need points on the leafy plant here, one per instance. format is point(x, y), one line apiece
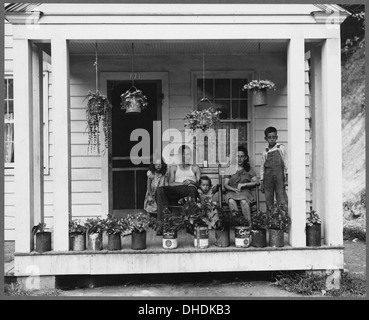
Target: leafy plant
point(238, 219)
point(313, 218)
point(138, 222)
point(204, 119)
point(259, 84)
point(98, 108)
point(197, 211)
point(259, 220)
point(94, 225)
point(278, 218)
point(128, 97)
point(39, 228)
point(225, 220)
point(77, 227)
point(113, 225)
point(170, 223)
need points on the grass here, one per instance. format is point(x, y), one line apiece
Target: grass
point(354, 232)
point(313, 284)
point(14, 289)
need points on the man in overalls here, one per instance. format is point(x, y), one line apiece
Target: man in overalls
point(273, 171)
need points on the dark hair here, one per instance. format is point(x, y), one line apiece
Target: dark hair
point(163, 167)
point(205, 178)
point(246, 163)
point(269, 130)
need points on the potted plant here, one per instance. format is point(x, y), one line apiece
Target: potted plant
point(133, 101)
point(197, 214)
point(115, 229)
point(278, 223)
point(138, 224)
point(97, 111)
point(170, 225)
point(94, 228)
point(43, 238)
point(313, 229)
point(222, 228)
point(258, 89)
point(258, 229)
point(77, 235)
point(202, 119)
point(242, 230)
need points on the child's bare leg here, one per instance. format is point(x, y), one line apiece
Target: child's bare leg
point(232, 205)
point(246, 211)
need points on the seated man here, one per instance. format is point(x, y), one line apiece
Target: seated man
point(183, 182)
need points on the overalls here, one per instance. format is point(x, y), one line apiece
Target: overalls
point(274, 179)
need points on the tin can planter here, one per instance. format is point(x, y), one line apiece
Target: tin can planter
point(201, 237)
point(78, 242)
point(242, 237)
point(313, 235)
point(43, 241)
point(222, 238)
point(170, 240)
point(138, 240)
point(114, 242)
point(94, 241)
point(258, 238)
point(134, 106)
point(259, 97)
point(276, 238)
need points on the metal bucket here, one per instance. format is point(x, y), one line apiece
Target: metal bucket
point(114, 242)
point(134, 106)
point(43, 241)
point(222, 238)
point(78, 241)
point(170, 240)
point(201, 237)
point(242, 237)
point(313, 235)
point(138, 240)
point(276, 238)
point(259, 97)
point(258, 238)
point(94, 241)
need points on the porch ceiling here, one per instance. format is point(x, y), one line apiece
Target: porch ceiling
point(175, 48)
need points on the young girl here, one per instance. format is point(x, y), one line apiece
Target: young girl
point(207, 193)
point(157, 176)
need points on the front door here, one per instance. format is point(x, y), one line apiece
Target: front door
point(129, 180)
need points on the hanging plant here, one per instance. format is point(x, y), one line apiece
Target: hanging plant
point(133, 101)
point(204, 119)
point(258, 90)
point(98, 108)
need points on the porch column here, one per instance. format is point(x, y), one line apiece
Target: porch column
point(62, 161)
point(24, 153)
point(332, 140)
point(296, 141)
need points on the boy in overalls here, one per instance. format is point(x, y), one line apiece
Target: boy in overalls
point(273, 171)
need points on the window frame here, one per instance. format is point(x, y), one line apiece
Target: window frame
point(9, 166)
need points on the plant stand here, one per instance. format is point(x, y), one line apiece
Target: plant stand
point(313, 235)
point(138, 240)
point(94, 242)
point(242, 237)
point(114, 242)
point(170, 240)
point(222, 238)
point(258, 238)
point(259, 97)
point(43, 241)
point(276, 238)
point(201, 237)
point(78, 242)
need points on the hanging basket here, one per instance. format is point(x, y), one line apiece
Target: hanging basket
point(259, 97)
point(133, 101)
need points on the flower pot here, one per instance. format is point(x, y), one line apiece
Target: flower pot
point(114, 242)
point(313, 235)
point(94, 241)
point(242, 237)
point(134, 106)
point(259, 97)
point(201, 237)
point(138, 240)
point(258, 238)
point(43, 241)
point(222, 238)
point(170, 240)
point(78, 241)
point(276, 238)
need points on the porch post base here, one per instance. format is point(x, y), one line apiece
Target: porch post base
point(31, 283)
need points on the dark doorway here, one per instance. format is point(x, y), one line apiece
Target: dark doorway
point(128, 179)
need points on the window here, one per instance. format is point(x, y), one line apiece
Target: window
point(225, 93)
point(9, 123)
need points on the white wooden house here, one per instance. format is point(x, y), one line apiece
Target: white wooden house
point(50, 176)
